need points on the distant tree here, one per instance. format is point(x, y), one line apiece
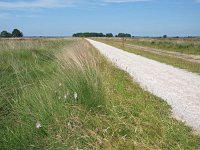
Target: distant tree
point(88, 34)
point(109, 35)
point(17, 33)
point(124, 35)
point(5, 34)
point(164, 36)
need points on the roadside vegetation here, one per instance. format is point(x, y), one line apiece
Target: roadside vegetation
point(62, 94)
point(177, 62)
point(182, 45)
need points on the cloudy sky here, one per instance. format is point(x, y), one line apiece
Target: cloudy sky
point(65, 17)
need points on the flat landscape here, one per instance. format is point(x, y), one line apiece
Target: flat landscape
point(99, 74)
point(64, 94)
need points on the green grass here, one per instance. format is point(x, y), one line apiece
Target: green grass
point(177, 62)
point(186, 47)
point(182, 45)
point(35, 78)
point(111, 111)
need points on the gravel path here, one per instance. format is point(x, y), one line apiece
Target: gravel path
point(181, 89)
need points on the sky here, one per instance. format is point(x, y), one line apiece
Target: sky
point(137, 17)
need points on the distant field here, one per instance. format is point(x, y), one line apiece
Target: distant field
point(62, 94)
point(182, 45)
point(171, 60)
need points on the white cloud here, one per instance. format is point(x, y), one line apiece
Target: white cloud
point(36, 4)
point(124, 1)
point(22, 4)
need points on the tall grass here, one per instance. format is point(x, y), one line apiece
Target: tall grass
point(40, 81)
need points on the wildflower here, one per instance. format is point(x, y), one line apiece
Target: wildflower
point(66, 95)
point(60, 84)
point(75, 95)
point(99, 141)
point(38, 125)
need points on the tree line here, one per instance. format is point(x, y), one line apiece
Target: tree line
point(15, 33)
point(94, 34)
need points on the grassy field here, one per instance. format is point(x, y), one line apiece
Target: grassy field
point(177, 62)
point(62, 94)
point(182, 45)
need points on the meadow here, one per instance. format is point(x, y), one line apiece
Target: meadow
point(182, 45)
point(63, 94)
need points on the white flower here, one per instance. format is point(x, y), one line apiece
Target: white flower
point(38, 125)
point(60, 84)
point(100, 141)
point(75, 95)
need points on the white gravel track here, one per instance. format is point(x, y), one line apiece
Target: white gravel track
point(181, 89)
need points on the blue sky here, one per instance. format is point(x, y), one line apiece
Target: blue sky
point(65, 17)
